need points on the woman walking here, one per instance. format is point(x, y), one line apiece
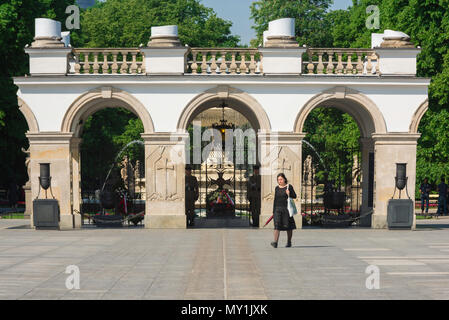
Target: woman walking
point(281, 216)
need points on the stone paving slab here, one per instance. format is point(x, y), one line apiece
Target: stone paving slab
point(225, 263)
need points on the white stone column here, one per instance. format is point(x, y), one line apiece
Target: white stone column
point(281, 52)
point(165, 180)
point(164, 53)
point(27, 187)
point(367, 148)
point(392, 148)
point(48, 54)
point(279, 152)
point(53, 148)
point(76, 180)
point(397, 54)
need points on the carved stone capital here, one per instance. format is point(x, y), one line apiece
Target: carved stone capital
point(164, 42)
point(281, 42)
point(47, 42)
point(397, 43)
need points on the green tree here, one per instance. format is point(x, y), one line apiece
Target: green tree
point(127, 23)
point(312, 27)
point(105, 134)
point(16, 31)
point(108, 25)
point(335, 136)
point(427, 23)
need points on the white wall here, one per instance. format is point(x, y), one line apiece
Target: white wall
point(166, 97)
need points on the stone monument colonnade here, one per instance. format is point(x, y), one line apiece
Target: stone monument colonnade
point(167, 84)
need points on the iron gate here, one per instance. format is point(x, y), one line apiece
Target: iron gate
point(337, 194)
point(226, 181)
point(126, 177)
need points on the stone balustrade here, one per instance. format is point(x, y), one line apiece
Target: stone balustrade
point(108, 61)
point(337, 61)
point(224, 61)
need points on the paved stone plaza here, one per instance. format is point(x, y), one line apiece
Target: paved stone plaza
point(224, 263)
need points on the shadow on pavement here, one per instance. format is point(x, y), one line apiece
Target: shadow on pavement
point(434, 226)
point(312, 247)
point(224, 223)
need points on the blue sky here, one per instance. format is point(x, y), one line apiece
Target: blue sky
point(238, 12)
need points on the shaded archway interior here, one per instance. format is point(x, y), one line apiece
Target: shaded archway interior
point(92, 107)
point(228, 176)
point(362, 198)
point(231, 103)
point(360, 114)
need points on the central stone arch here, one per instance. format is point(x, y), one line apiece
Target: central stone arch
point(242, 102)
point(236, 99)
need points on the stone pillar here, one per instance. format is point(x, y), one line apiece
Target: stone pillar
point(165, 180)
point(397, 54)
point(164, 53)
point(392, 148)
point(28, 200)
point(281, 52)
point(27, 187)
point(280, 152)
point(76, 180)
point(48, 54)
point(53, 148)
point(367, 148)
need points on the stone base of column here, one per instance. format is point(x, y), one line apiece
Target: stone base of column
point(165, 180)
point(379, 221)
point(77, 221)
point(28, 201)
point(390, 149)
point(298, 220)
point(165, 222)
point(66, 222)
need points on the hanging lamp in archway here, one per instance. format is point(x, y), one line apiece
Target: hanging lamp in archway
point(223, 125)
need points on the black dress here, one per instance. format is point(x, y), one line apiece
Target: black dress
point(281, 217)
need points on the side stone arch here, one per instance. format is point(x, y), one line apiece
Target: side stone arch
point(244, 103)
point(33, 126)
point(367, 115)
point(101, 98)
point(369, 120)
point(419, 114)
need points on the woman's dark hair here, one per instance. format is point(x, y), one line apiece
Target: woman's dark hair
point(283, 176)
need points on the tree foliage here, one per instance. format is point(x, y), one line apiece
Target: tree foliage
point(335, 136)
point(104, 135)
point(127, 23)
point(16, 31)
point(108, 25)
point(427, 23)
point(114, 23)
point(312, 27)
